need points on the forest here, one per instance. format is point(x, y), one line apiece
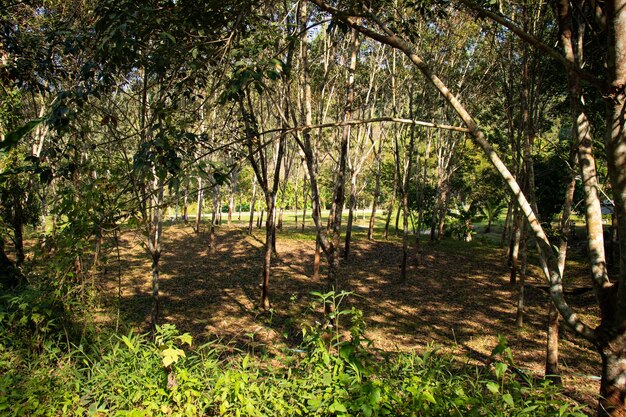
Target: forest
point(312, 207)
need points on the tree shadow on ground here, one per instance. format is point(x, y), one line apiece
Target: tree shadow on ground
point(458, 296)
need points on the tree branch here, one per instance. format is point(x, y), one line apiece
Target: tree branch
point(537, 44)
point(366, 121)
point(554, 277)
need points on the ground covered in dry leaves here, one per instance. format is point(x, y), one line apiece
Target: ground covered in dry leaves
point(458, 296)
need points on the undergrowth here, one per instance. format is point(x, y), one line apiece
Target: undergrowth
point(46, 370)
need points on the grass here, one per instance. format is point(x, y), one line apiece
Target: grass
point(456, 296)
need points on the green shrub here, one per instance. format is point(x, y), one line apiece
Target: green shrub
point(332, 373)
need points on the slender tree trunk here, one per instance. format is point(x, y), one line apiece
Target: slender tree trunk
point(515, 242)
point(370, 230)
point(154, 245)
point(552, 347)
point(316, 259)
point(186, 205)
point(296, 196)
point(398, 212)
point(239, 208)
point(267, 258)
point(309, 148)
point(420, 190)
point(391, 203)
point(351, 215)
point(340, 184)
point(231, 206)
point(507, 223)
point(279, 225)
point(199, 208)
point(443, 209)
point(252, 203)
point(519, 317)
point(405, 197)
point(304, 205)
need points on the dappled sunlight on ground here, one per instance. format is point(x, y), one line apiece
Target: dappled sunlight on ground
point(458, 296)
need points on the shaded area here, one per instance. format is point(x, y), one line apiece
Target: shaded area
point(458, 296)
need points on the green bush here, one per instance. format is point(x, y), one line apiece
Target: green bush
point(330, 374)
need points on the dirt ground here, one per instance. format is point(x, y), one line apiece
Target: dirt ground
point(457, 297)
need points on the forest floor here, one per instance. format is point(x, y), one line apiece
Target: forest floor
point(458, 297)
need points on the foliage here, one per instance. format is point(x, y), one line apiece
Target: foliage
point(461, 227)
point(331, 373)
point(551, 176)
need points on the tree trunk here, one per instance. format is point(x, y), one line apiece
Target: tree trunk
point(267, 258)
point(351, 214)
point(316, 259)
point(488, 228)
point(507, 222)
point(252, 203)
point(370, 230)
point(552, 346)
point(304, 207)
point(405, 196)
point(296, 196)
point(239, 207)
point(340, 182)
point(515, 242)
point(199, 208)
point(231, 206)
point(397, 226)
point(186, 205)
point(519, 317)
point(443, 209)
point(154, 314)
point(391, 204)
point(18, 234)
point(613, 379)
point(212, 244)
point(420, 190)
point(279, 226)
point(154, 245)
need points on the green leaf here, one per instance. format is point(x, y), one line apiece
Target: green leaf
point(500, 369)
point(375, 396)
point(314, 403)
point(168, 36)
point(128, 343)
point(12, 138)
point(327, 378)
point(172, 355)
point(186, 338)
point(508, 399)
point(493, 387)
point(428, 396)
point(346, 351)
point(337, 407)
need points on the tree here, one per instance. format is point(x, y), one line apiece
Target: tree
point(610, 337)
